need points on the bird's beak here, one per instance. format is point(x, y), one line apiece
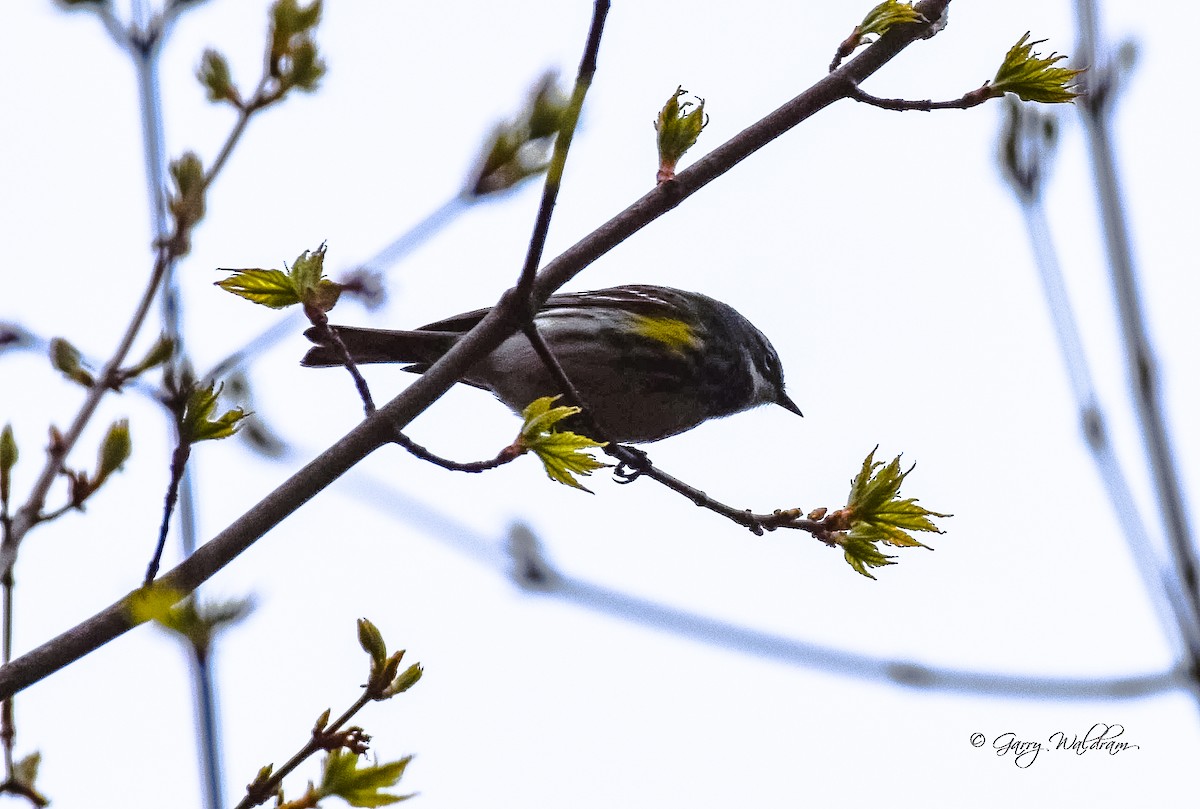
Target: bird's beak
point(785, 402)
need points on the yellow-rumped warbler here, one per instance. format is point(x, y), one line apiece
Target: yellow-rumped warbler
point(648, 361)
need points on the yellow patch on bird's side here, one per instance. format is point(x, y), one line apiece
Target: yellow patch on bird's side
point(669, 331)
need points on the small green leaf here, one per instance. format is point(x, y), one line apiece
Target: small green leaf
point(361, 786)
point(114, 452)
point(307, 269)
point(25, 771)
point(306, 69)
point(67, 359)
point(562, 454)
point(215, 76)
point(404, 681)
point(271, 288)
point(24, 775)
point(678, 126)
point(8, 459)
point(1032, 77)
point(861, 554)
point(289, 19)
point(877, 22)
point(887, 14)
point(197, 422)
point(540, 416)
point(311, 286)
point(292, 55)
point(187, 203)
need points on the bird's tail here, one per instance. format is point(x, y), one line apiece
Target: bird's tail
point(378, 345)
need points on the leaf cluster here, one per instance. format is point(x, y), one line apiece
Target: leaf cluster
point(198, 421)
point(563, 454)
point(385, 680)
point(344, 776)
point(875, 514)
point(678, 126)
point(114, 450)
point(304, 283)
point(1032, 77)
point(187, 202)
point(292, 59)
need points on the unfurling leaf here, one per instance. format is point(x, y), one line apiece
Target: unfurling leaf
point(361, 786)
point(8, 459)
point(404, 680)
point(197, 422)
point(517, 150)
point(187, 202)
point(312, 287)
point(875, 513)
point(862, 554)
point(1032, 77)
point(678, 126)
point(271, 288)
point(877, 22)
point(564, 454)
point(292, 54)
point(24, 778)
point(303, 283)
point(114, 452)
point(887, 14)
point(67, 359)
point(215, 76)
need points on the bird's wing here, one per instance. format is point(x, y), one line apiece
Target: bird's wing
point(641, 298)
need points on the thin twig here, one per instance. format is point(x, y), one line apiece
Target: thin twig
point(318, 319)
point(506, 455)
point(258, 792)
point(179, 459)
point(972, 99)
point(479, 342)
point(8, 730)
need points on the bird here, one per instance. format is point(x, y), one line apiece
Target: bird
point(648, 362)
